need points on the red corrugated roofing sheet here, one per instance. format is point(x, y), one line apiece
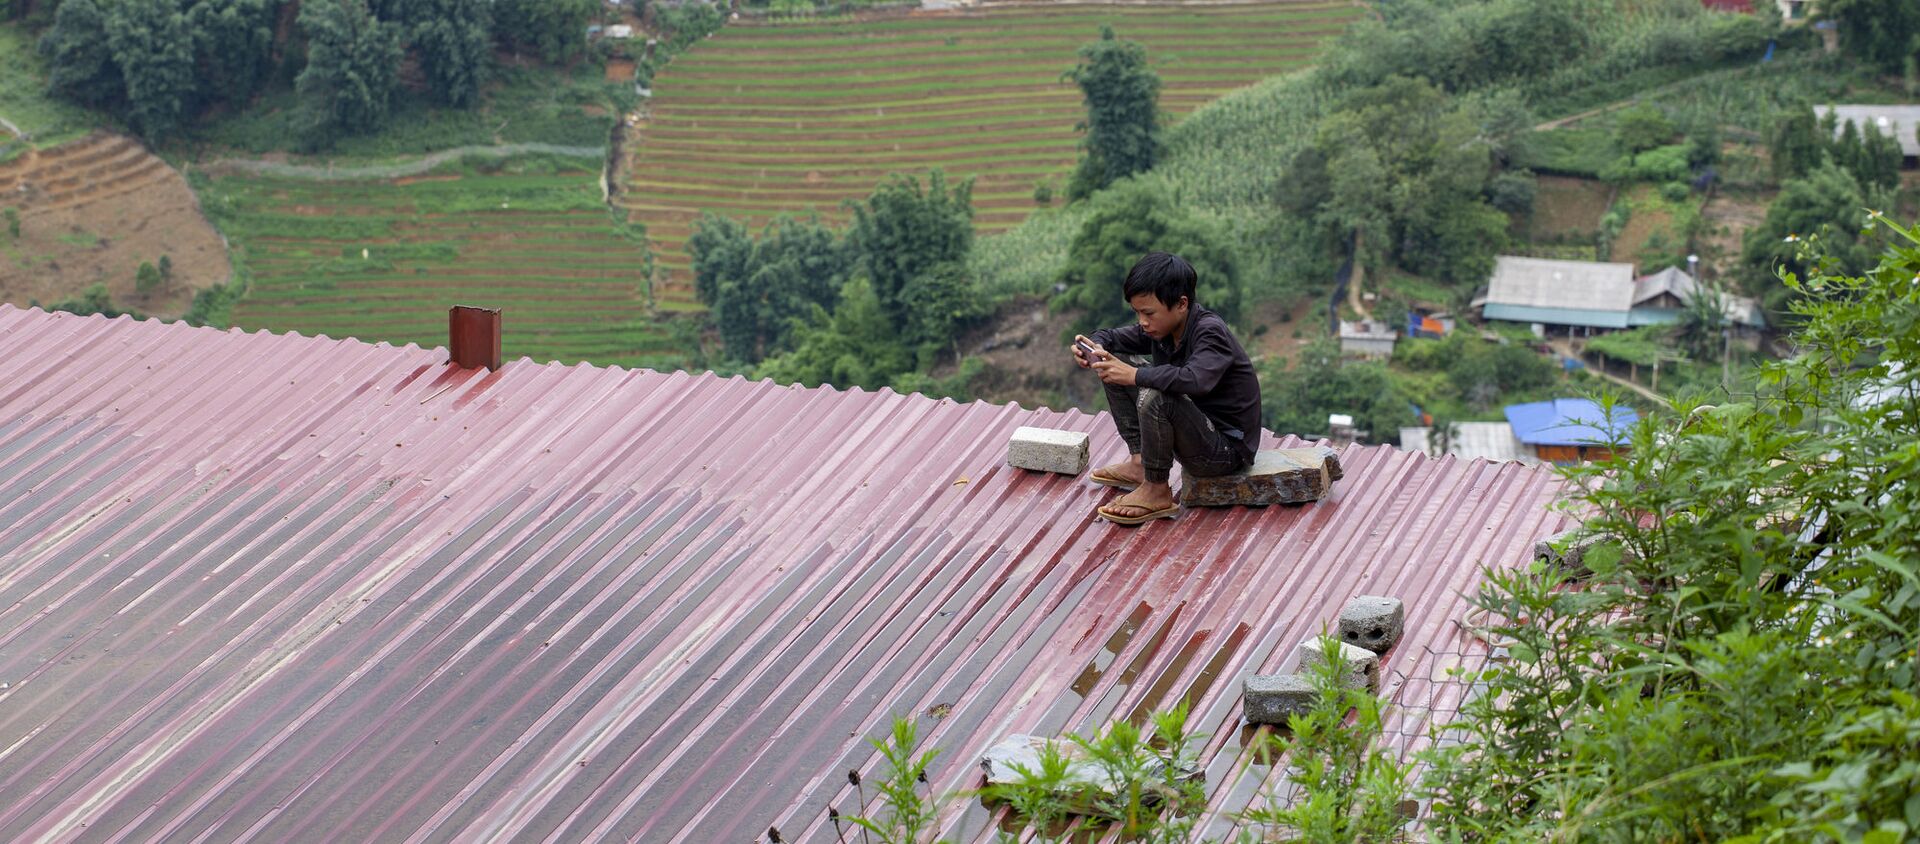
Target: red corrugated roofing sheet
point(278, 588)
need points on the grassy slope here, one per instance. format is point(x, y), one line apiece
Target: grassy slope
point(23, 94)
point(533, 238)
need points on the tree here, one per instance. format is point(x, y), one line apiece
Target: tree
point(1402, 170)
point(721, 248)
point(1123, 122)
point(152, 44)
point(1513, 191)
point(146, 280)
point(1298, 399)
point(855, 346)
point(1641, 128)
point(939, 302)
point(1134, 217)
point(353, 64)
point(1828, 205)
point(1456, 241)
point(1486, 374)
point(1878, 162)
point(454, 41)
point(1847, 149)
point(1796, 143)
point(233, 45)
point(757, 288)
point(902, 231)
point(555, 29)
point(1701, 322)
point(1883, 33)
point(80, 65)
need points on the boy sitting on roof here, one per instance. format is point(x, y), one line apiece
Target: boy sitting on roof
point(1198, 403)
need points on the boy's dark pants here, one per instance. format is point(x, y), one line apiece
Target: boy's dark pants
point(1163, 427)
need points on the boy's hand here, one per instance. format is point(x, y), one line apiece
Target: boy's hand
point(1115, 371)
point(1080, 355)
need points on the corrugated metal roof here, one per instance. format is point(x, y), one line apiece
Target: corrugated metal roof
point(1544, 283)
point(271, 587)
point(1900, 121)
point(1555, 316)
point(1740, 310)
point(1570, 422)
point(1485, 440)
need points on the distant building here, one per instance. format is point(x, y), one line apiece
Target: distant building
point(1900, 121)
point(1566, 297)
point(1473, 440)
point(1432, 326)
point(1367, 338)
point(1659, 299)
point(1571, 430)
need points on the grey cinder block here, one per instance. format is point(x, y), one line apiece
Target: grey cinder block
point(1048, 450)
point(1361, 668)
point(1272, 698)
point(1085, 779)
point(1567, 550)
point(1277, 476)
point(1372, 622)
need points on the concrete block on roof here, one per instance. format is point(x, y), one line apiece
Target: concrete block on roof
point(1372, 622)
point(1048, 450)
point(1568, 549)
point(1272, 698)
point(1277, 476)
point(1360, 667)
point(1085, 778)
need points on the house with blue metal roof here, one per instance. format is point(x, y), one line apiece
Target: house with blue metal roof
point(1571, 430)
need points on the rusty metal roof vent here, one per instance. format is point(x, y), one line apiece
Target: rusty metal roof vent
point(473, 336)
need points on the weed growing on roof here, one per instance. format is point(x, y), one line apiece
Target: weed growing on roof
point(1342, 787)
point(906, 809)
point(1345, 788)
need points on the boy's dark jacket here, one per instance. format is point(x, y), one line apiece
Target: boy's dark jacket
point(1209, 365)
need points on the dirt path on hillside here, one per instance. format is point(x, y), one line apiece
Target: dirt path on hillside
point(1565, 349)
point(1570, 119)
point(414, 167)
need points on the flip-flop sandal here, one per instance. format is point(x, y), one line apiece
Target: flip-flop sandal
point(1110, 480)
point(1167, 513)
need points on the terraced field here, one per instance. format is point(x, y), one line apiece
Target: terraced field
point(384, 260)
point(767, 117)
point(90, 211)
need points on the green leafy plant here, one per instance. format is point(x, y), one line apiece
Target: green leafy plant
point(1350, 791)
point(907, 810)
point(1736, 657)
point(1140, 783)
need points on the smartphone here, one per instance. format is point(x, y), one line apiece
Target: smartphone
point(1086, 350)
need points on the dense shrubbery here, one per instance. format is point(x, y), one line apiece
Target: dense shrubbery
point(1133, 218)
point(1740, 663)
point(1297, 399)
point(160, 64)
point(870, 308)
point(1123, 117)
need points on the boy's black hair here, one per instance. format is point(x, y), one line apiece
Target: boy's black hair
point(1167, 276)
